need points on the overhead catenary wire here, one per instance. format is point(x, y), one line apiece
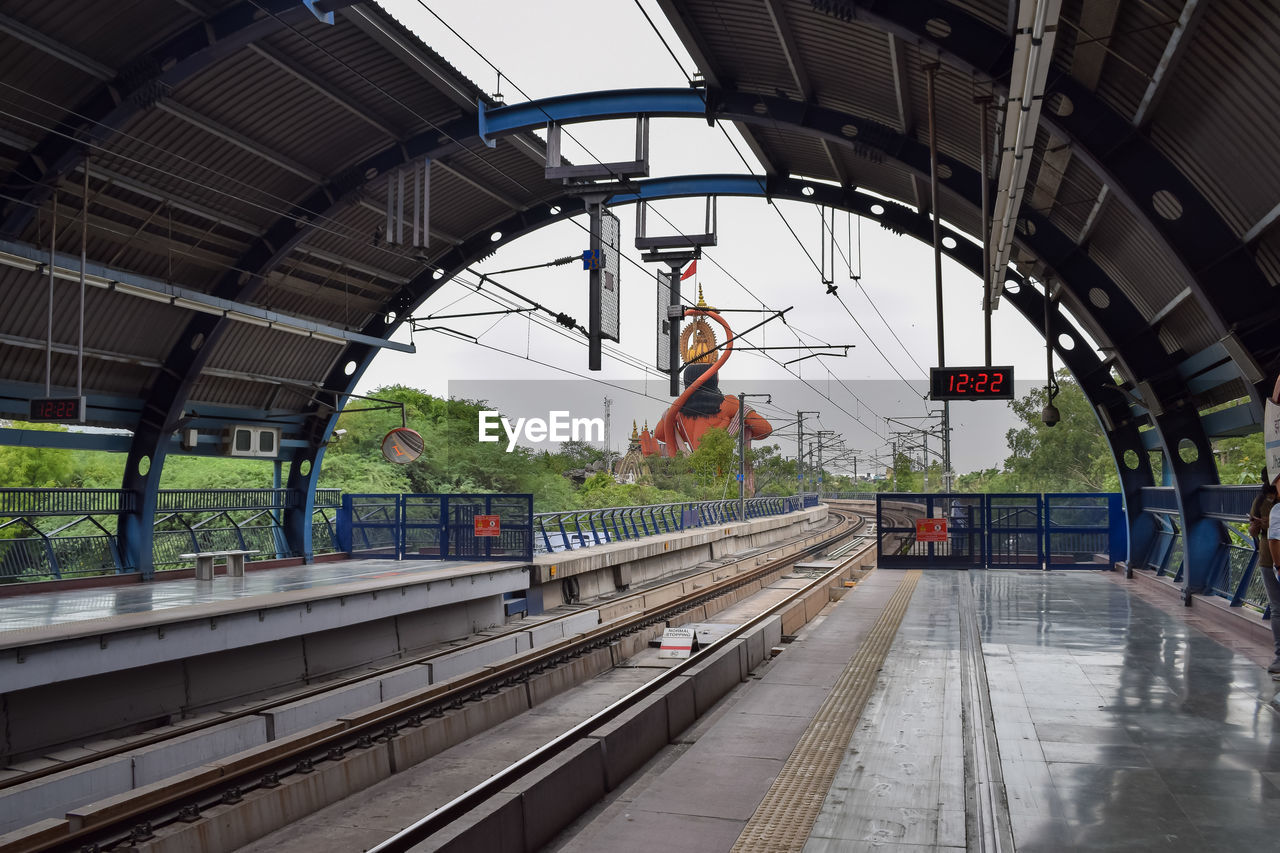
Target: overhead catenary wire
point(485, 59)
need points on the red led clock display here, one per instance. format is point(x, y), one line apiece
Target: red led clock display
point(971, 383)
point(57, 410)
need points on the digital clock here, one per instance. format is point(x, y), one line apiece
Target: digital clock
point(971, 383)
point(58, 410)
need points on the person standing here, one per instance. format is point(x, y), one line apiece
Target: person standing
point(1262, 528)
point(1273, 537)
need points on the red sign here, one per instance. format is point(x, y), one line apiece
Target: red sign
point(488, 525)
point(931, 530)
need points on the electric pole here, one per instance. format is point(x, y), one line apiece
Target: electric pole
point(800, 447)
point(742, 452)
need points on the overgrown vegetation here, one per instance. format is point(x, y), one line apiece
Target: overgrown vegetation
point(1072, 456)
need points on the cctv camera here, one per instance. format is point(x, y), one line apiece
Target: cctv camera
point(1050, 415)
point(339, 432)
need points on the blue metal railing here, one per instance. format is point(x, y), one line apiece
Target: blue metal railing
point(85, 544)
point(436, 526)
point(84, 541)
point(585, 528)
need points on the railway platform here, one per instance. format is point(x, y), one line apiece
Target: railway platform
point(1101, 719)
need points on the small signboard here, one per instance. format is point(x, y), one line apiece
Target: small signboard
point(488, 525)
point(678, 643)
point(931, 530)
point(1271, 434)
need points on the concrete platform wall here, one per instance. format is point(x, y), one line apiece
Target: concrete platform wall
point(655, 557)
point(44, 719)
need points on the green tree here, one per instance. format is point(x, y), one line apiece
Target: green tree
point(37, 467)
point(1072, 456)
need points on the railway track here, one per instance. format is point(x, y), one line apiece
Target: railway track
point(478, 797)
point(134, 817)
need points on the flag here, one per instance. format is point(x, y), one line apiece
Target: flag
point(693, 268)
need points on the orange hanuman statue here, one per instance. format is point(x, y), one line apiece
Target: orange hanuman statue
point(702, 406)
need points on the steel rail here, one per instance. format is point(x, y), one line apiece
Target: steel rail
point(466, 802)
point(182, 799)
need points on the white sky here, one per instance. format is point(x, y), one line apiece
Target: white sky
point(564, 46)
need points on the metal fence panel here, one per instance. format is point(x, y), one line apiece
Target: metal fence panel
point(966, 544)
point(1084, 530)
point(422, 535)
point(1015, 535)
point(369, 526)
point(1024, 531)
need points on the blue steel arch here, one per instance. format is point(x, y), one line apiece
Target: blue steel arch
point(1092, 373)
point(170, 395)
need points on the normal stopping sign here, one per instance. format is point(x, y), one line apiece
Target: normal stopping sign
point(931, 530)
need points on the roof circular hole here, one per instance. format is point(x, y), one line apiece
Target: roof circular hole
point(877, 209)
point(1026, 226)
point(1167, 205)
point(806, 190)
point(1012, 285)
point(1066, 342)
point(495, 236)
point(349, 368)
point(1187, 451)
point(944, 171)
point(1099, 297)
point(554, 210)
point(1131, 460)
point(949, 242)
point(197, 341)
point(759, 109)
point(305, 468)
point(391, 317)
point(937, 28)
point(438, 274)
point(850, 130)
point(370, 173)
point(1060, 105)
point(144, 465)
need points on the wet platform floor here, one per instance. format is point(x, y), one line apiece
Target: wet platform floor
point(258, 588)
point(1116, 726)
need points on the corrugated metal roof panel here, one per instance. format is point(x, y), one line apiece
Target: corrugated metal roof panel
point(1134, 51)
point(1185, 331)
point(39, 89)
point(1267, 250)
point(1220, 116)
point(1077, 195)
point(279, 113)
point(848, 63)
point(381, 80)
point(112, 39)
point(745, 46)
point(1125, 252)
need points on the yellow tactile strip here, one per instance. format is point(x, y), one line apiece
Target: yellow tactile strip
point(785, 817)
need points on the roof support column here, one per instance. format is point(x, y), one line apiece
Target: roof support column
point(135, 530)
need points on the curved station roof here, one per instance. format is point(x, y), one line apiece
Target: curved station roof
point(227, 168)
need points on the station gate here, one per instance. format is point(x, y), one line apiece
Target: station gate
point(1005, 531)
point(435, 527)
